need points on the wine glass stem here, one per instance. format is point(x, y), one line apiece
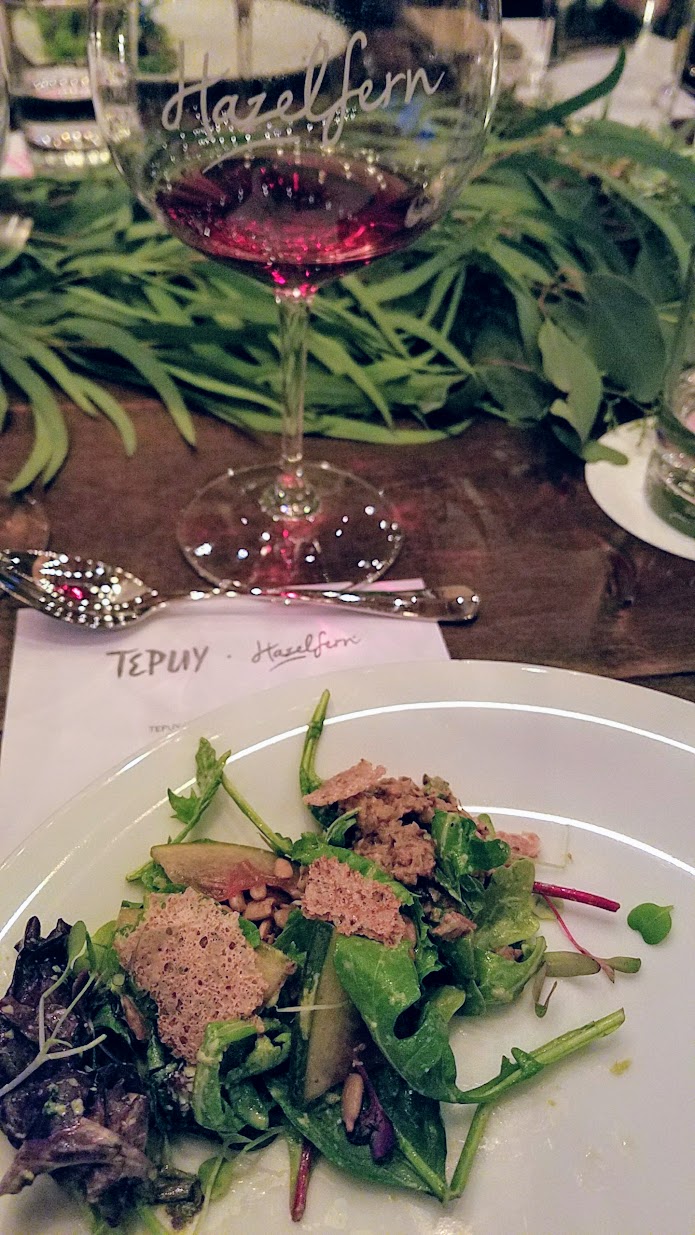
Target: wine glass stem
point(291, 497)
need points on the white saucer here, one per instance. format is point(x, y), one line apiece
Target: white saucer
point(619, 490)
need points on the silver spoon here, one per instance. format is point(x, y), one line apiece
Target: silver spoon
point(101, 597)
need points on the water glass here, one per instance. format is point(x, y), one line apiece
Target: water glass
point(49, 83)
point(654, 34)
point(670, 482)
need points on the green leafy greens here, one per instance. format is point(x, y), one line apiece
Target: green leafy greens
point(348, 1052)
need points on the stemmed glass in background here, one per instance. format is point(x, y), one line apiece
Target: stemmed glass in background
point(23, 523)
point(294, 142)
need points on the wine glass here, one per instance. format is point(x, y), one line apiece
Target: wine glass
point(294, 142)
point(23, 523)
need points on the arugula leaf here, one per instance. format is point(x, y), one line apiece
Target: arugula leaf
point(322, 1124)
point(209, 768)
point(383, 984)
point(528, 1063)
point(460, 852)
point(506, 915)
point(188, 810)
point(279, 844)
point(309, 847)
point(224, 1101)
point(336, 832)
point(653, 922)
point(417, 1122)
point(426, 954)
point(309, 779)
point(250, 931)
point(490, 980)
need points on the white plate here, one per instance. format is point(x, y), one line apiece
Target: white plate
point(601, 768)
point(619, 489)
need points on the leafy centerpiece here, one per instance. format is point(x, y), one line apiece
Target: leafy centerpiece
point(553, 304)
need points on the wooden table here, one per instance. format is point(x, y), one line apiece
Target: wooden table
point(502, 509)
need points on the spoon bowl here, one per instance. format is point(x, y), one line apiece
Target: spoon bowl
point(97, 596)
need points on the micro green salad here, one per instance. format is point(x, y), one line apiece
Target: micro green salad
point(299, 989)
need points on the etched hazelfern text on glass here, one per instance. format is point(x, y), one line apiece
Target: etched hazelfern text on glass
point(294, 142)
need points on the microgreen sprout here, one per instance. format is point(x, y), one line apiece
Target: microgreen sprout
point(76, 945)
point(607, 969)
point(300, 1182)
point(575, 894)
point(653, 922)
point(541, 1006)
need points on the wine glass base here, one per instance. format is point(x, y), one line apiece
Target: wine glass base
point(229, 535)
point(23, 521)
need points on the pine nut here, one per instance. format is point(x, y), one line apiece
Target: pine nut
point(265, 928)
point(283, 869)
point(351, 1100)
point(258, 892)
point(238, 902)
point(281, 916)
point(256, 911)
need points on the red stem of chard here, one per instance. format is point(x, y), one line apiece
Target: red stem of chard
point(574, 894)
point(607, 969)
point(301, 1187)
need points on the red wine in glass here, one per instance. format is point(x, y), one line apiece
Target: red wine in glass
point(296, 222)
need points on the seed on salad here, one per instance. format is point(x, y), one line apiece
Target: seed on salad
point(351, 1100)
point(281, 916)
point(258, 892)
point(256, 911)
point(283, 869)
point(238, 902)
point(265, 929)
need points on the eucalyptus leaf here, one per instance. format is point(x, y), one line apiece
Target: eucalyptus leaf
point(625, 335)
point(572, 371)
point(102, 294)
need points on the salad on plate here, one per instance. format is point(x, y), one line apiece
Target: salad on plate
point(300, 989)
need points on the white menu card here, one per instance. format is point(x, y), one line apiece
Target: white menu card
point(81, 701)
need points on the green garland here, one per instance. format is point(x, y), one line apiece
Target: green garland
point(547, 295)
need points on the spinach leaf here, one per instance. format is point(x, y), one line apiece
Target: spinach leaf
point(231, 1053)
point(322, 1124)
point(506, 914)
point(309, 847)
point(383, 984)
point(652, 921)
